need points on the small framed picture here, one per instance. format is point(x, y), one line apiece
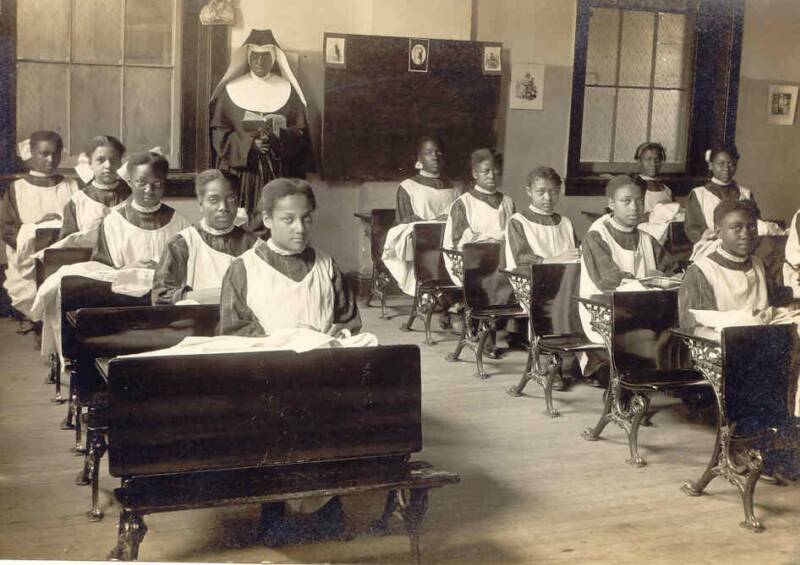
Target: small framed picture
point(491, 62)
point(335, 51)
point(527, 86)
point(782, 104)
point(419, 54)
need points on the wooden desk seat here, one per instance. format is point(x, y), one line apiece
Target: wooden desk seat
point(645, 358)
point(434, 289)
point(200, 431)
point(555, 326)
point(379, 221)
point(108, 332)
point(83, 292)
point(753, 373)
point(488, 299)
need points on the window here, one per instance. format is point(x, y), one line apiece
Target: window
point(638, 75)
point(652, 70)
point(87, 67)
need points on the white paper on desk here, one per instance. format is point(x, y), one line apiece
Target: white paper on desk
point(631, 285)
point(298, 340)
point(133, 281)
point(744, 317)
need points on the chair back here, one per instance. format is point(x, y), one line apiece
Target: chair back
point(553, 310)
point(771, 249)
point(45, 237)
point(759, 372)
point(54, 259)
point(428, 257)
point(82, 292)
point(678, 243)
point(381, 220)
point(484, 285)
point(108, 332)
point(641, 324)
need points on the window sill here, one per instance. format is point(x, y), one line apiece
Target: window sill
point(594, 184)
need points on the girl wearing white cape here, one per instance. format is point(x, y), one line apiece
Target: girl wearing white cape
point(425, 197)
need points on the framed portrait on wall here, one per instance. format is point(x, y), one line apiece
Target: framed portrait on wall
point(782, 104)
point(335, 51)
point(526, 91)
point(491, 61)
point(419, 55)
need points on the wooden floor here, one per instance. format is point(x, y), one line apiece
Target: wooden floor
point(532, 490)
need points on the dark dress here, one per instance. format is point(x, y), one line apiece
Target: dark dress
point(232, 146)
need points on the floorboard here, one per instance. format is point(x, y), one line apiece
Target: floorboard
point(532, 490)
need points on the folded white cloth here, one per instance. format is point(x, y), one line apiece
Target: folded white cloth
point(298, 340)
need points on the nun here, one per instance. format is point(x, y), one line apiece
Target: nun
point(258, 118)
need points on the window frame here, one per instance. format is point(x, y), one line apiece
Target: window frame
point(713, 92)
point(202, 59)
point(123, 65)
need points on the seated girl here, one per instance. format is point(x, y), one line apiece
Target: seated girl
point(195, 260)
point(539, 235)
point(425, 197)
point(481, 214)
point(136, 234)
point(283, 282)
point(38, 197)
point(651, 156)
point(615, 249)
point(87, 208)
point(730, 277)
point(722, 162)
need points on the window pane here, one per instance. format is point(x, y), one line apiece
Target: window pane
point(670, 57)
point(41, 99)
point(631, 122)
point(148, 31)
point(95, 103)
point(598, 114)
point(669, 122)
point(601, 58)
point(96, 29)
point(147, 109)
point(636, 51)
point(42, 31)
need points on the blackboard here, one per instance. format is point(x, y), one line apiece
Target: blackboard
point(376, 108)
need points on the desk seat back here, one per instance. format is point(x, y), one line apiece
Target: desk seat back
point(82, 292)
point(428, 258)
point(108, 332)
point(45, 237)
point(759, 374)
point(54, 259)
point(641, 324)
point(553, 309)
point(484, 285)
point(381, 220)
point(183, 414)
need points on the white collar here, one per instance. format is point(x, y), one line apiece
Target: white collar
point(257, 94)
point(280, 250)
point(539, 211)
point(483, 190)
point(38, 174)
point(145, 209)
point(730, 256)
point(426, 174)
point(100, 186)
point(646, 177)
point(213, 231)
point(620, 227)
point(715, 180)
